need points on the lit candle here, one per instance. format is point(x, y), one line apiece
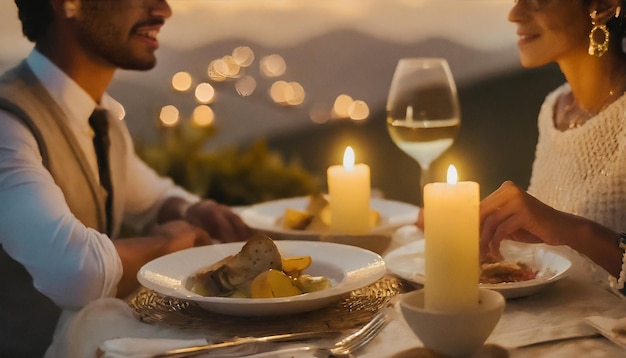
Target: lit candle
point(451, 230)
point(349, 196)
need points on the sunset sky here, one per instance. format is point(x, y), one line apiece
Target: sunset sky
point(478, 23)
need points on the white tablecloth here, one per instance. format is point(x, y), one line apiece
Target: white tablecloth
point(549, 313)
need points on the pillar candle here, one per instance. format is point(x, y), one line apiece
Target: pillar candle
point(349, 196)
point(451, 233)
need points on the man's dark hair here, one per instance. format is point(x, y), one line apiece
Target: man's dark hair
point(36, 16)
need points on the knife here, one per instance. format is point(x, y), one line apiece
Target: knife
point(238, 342)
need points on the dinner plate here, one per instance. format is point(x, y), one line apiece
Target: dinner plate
point(265, 217)
point(347, 267)
point(408, 262)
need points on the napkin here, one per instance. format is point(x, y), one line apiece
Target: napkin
point(148, 347)
point(143, 347)
point(537, 335)
point(613, 329)
point(109, 326)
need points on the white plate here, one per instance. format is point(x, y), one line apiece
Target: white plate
point(265, 217)
point(347, 267)
point(408, 262)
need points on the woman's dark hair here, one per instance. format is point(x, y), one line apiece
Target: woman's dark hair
point(617, 27)
point(36, 16)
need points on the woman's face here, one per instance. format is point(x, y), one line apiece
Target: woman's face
point(550, 30)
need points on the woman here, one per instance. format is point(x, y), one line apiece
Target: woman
point(577, 192)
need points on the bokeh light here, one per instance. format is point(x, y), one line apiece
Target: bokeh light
point(169, 116)
point(358, 110)
point(245, 86)
point(319, 114)
point(280, 91)
point(273, 65)
point(243, 56)
point(203, 116)
point(297, 94)
point(342, 106)
point(218, 70)
point(205, 93)
point(181, 81)
point(287, 93)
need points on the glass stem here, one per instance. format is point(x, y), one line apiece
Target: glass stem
point(424, 179)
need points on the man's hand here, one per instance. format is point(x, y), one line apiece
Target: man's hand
point(179, 235)
point(218, 220)
point(164, 239)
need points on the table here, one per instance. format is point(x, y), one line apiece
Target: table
point(551, 312)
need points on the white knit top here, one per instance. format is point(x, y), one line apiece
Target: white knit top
point(583, 170)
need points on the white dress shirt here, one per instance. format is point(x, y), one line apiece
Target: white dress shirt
point(69, 262)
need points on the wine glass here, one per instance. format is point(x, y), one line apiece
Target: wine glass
point(423, 114)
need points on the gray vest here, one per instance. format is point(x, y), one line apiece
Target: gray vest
point(22, 308)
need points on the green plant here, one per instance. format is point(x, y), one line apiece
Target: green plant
point(231, 175)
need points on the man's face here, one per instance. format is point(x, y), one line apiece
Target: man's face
point(121, 33)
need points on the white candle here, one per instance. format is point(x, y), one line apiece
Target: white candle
point(451, 231)
point(349, 196)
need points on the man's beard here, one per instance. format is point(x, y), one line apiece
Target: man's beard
point(105, 43)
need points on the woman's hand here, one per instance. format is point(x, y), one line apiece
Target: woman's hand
point(511, 213)
point(420, 219)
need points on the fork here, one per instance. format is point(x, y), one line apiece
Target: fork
point(345, 347)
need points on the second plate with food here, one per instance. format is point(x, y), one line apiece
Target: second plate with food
point(347, 267)
point(408, 262)
point(266, 217)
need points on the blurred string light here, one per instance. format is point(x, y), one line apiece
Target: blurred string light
point(245, 86)
point(273, 65)
point(203, 116)
point(231, 66)
point(319, 114)
point(205, 93)
point(235, 68)
point(169, 116)
point(287, 93)
point(182, 81)
point(243, 56)
point(358, 110)
point(346, 107)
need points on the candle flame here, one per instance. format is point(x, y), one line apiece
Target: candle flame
point(348, 158)
point(453, 177)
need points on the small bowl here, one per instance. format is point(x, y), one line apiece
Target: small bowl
point(453, 334)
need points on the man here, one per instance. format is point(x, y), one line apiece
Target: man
point(60, 205)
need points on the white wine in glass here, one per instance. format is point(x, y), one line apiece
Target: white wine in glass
point(423, 114)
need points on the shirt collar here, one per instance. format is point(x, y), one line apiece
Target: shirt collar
point(73, 100)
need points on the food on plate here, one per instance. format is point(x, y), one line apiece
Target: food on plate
point(293, 266)
point(296, 219)
point(257, 271)
point(308, 283)
point(316, 216)
point(273, 283)
point(504, 271)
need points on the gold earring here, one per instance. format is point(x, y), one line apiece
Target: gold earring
point(595, 48)
point(70, 9)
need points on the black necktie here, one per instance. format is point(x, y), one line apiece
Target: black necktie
point(101, 142)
